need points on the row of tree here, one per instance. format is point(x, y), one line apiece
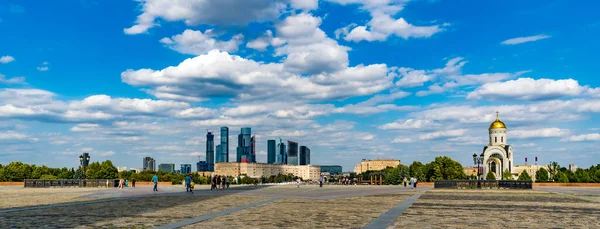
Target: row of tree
point(441, 168)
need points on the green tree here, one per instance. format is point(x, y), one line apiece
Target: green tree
point(553, 169)
point(444, 168)
point(561, 178)
point(490, 176)
point(582, 176)
point(541, 175)
point(506, 175)
point(524, 176)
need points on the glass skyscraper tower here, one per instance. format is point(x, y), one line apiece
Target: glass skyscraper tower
point(210, 151)
point(223, 153)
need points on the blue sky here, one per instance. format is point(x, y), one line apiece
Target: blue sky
point(350, 79)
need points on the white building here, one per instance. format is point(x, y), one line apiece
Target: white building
point(497, 155)
point(120, 169)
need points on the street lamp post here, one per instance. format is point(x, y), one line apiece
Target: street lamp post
point(478, 160)
point(84, 161)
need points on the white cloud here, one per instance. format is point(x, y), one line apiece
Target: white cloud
point(442, 134)
point(11, 135)
point(59, 142)
point(305, 4)
point(528, 89)
point(198, 43)
point(84, 127)
point(408, 124)
point(6, 59)
point(413, 78)
point(196, 113)
point(261, 43)
point(14, 80)
point(215, 12)
point(382, 24)
point(106, 153)
point(42, 68)
point(519, 40)
point(402, 140)
point(285, 133)
point(538, 133)
point(583, 137)
point(368, 137)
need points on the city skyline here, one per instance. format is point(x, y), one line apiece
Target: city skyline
point(351, 80)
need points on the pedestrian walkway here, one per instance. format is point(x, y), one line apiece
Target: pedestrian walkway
point(386, 219)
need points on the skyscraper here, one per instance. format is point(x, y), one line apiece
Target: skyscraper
point(186, 168)
point(271, 157)
point(252, 157)
point(218, 149)
point(280, 152)
point(240, 149)
point(167, 167)
point(292, 153)
point(148, 164)
point(304, 155)
point(210, 151)
point(246, 140)
point(224, 153)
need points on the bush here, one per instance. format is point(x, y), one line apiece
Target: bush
point(524, 176)
point(541, 175)
point(490, 176)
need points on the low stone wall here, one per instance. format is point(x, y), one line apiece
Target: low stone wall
point(12, 184)
point(566, 184)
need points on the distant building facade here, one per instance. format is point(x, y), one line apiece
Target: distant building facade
point(121, 169)
point(186, 168)
point(531, 170)
point(202, 166)
point(304, 156)
point(280, 151)
point(331, 169)
point(271, 156)
point(375, 165)
point(257, 170)
point(252, 158)
point(210, 151)
point(573, 167)
point(292, 153)
point(223, 154)
point(169, 168)
point(149, 164)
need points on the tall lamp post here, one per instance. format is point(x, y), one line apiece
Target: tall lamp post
point(478, 160)
point(84, 161)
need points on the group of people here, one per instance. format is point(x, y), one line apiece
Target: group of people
point(124, 183)
point(413, 182)
point(219, 183)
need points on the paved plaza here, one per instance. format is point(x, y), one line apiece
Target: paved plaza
point(306, 207)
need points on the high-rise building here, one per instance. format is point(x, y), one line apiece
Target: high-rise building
point(224, 153)
point(245, 139)
point(148, 164)
point(252, 157)
point(186, 168)
point(240, 148)
point(218, 152)
point(304, 156)
point(202, 166)
point(292, 153)
point(210, 151)
point(280, 151)
point(168, 168)
point(271, 157)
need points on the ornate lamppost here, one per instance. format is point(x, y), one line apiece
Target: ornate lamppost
point(478, 160)
point(84, 161)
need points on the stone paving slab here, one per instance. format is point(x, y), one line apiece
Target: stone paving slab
point(387, 218)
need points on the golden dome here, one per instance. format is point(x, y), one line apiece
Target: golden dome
point(497, 124)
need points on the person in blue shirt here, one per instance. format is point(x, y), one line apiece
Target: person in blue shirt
point(155, 180)
point(188, 180)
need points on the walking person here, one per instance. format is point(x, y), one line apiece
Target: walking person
point(321, 181)
point(405, 182)
point(412, 180)
point(227, 182)
point(188, 181)
point(121, 181)
point(213, 183)
point(298, 182)
point(416, 181)
point(133, 182)
point(155, 180)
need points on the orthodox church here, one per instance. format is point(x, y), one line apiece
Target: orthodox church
point(497, 155)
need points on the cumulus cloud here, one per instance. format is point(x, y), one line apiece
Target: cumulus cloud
point(105, 153)
point(6, 59)
point(583, 137)
point(402, 140)
point(198, 43)
point(528, 89)
point(286, 133)
point(408, 124)
point(219, 74)
point(261, 43)
point(14, 80)
point(84, 127)
point(305, 4)
point(519, 40)
point(382, 24)
point(442, 134)
point(214, 12)
point(538, 133)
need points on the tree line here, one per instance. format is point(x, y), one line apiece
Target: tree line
point(441, 168)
